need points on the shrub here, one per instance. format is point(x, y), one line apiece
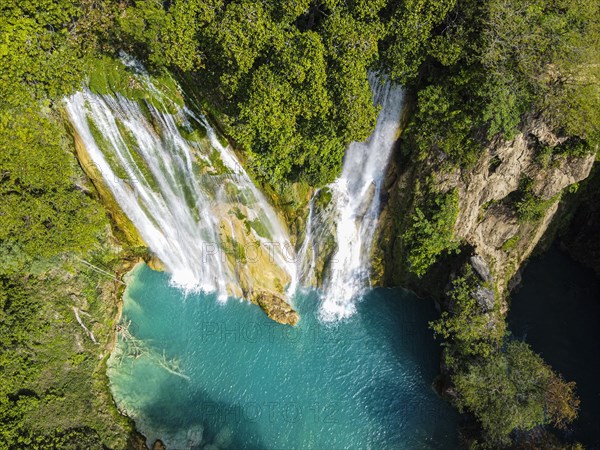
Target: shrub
point(431, 232)
point(468, 331)
point(514, 390)
point(530, 207)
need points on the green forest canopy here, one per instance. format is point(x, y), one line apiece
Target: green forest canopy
point(289, 77)
point(288, 80)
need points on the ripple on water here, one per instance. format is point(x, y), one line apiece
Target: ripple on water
point(197, 373)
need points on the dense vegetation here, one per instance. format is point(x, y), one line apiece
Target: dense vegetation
point(486, 70)
point(505, 60)
point(430, 232)
point(288, 81)
point(288, 78)
point(513, 389)
point(53, 392)
point(466, 325)
point(502, 382)
point(503, 63)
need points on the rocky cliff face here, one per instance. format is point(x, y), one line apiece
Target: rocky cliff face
point(489, 222)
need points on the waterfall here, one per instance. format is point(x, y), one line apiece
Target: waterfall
point(343, 216)
point(185, 191)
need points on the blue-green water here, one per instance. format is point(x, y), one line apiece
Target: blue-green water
point(557, 311)
point(213, 375)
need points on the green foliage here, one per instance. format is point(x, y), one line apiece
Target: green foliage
point(511, 243)
point(272, 71)
point(43, 211)
point(107, 75)
point(412, 35)
point(529, 206)
point(503, 114)
point(431, 232)
point(54, 392)
point(242, 32)
point(351, 46)
point(443, 122)
point(467, 329)
point(479, 66)
point(287, 80)
point(514, 390)
point(551, 48)
point(37, 56)
point(574, 147)
point(504, 384)
point(491, 63)
point(275, 67)
point(167, 37)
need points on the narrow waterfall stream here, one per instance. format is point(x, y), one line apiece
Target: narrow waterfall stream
point(341, 232)
point(191, 201)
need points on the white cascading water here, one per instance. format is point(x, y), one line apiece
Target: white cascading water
point(183, 213)
point(353, 211)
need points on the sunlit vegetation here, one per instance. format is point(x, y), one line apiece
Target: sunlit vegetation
point(431, 231)
point(502, 61)
point(502, 382)
point(467, 328)
point(514, 389)
point(287, 81)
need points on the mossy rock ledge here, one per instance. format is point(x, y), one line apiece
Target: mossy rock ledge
point(154, 263)
point(275, 307)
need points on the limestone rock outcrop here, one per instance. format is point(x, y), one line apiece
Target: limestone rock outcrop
point(487, 223)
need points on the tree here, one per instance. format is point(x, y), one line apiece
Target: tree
point(468, 330)
point(411, 33)
point(38, 58)
point(552, 49)
point(43, 213)
point(431, 232)
point(514, 390)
